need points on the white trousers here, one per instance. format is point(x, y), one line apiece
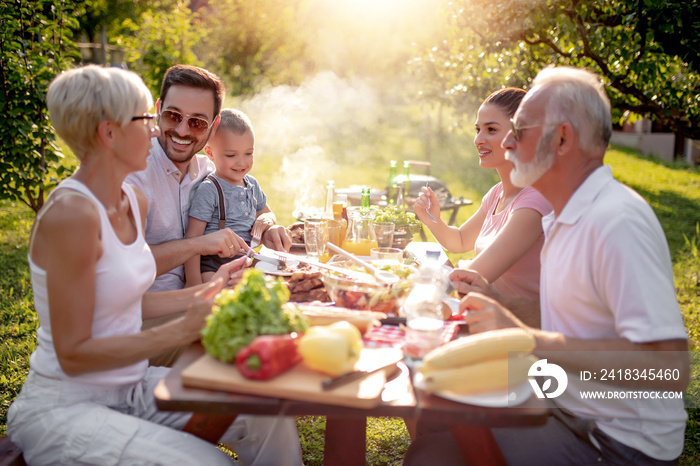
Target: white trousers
point(64, 423)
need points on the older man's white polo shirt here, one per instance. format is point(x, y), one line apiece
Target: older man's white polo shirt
point(169, 193)
point(607, 273)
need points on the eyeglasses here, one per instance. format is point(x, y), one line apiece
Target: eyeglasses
point(516, 130)
point(150, 120)
point(171, 119)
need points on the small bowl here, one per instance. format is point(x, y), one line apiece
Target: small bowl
point(378, 297)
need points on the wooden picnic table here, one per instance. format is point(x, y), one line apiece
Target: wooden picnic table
point(345, 436)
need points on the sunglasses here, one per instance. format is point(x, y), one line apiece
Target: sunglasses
point(171, 119)
point(517, 130)
point(150, 120)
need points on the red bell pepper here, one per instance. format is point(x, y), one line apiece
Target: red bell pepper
point(268, 356)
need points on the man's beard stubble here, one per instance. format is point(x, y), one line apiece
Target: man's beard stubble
point(527, 174)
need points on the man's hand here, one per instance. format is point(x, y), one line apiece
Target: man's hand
point(483, 314)
point(278, 238)
point(468, 281)
point(224, 243)
point(232, 272)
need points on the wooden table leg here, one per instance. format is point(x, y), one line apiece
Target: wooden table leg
point(477, 445)
point(209, 427)
point(346, 441)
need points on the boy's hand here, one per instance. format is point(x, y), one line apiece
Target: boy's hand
point(262, 224)
point(278, 238)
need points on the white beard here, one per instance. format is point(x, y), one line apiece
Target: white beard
point(527, 174)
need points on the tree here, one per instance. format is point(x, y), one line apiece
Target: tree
point(158, 39)
point(647, 52)
point(250, 44)
point(35, 45)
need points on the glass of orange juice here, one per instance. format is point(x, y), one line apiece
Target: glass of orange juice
point(328, 232)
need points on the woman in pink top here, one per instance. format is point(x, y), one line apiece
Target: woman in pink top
point(506, 231)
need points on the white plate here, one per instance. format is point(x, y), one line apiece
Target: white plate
point(498, 399)
point(271, 269)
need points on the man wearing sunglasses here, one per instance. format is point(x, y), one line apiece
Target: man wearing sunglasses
point(188, 113)
point(607, 302)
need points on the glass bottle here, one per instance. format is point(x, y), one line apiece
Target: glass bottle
point(406, 178)
point(400, 198)
point(365, 200)
point(330, 196)
point(360, 237)
point(340, 213)
point(391, 185)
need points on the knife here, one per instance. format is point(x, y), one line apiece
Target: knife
point(335, 382)
point(268, 259)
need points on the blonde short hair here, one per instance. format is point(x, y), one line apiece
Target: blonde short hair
point(80, 99)
point(235, 121)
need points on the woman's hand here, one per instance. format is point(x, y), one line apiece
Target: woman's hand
point(230, 273)
point(427, 198)
point(194, 319)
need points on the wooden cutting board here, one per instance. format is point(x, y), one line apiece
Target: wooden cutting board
point(300, 382)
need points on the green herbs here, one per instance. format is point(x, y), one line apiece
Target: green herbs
point(399, 217)
point(255, 307)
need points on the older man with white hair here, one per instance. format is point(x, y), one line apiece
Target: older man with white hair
point(607, 299)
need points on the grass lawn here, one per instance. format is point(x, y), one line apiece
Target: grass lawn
point(673, 191)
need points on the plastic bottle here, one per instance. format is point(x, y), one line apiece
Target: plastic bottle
point(423, 308)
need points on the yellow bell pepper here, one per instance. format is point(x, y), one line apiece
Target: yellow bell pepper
point(332, 349)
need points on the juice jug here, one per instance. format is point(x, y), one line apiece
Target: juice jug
point(360, 236)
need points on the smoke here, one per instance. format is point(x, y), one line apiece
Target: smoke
point(302, 126)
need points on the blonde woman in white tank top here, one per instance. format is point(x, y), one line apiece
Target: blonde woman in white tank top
point(88, 398)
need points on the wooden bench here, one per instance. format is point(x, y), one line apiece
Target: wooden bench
point(10, 454)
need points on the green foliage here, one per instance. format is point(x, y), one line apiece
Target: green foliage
point(35, 45)
point(157, 39)
point(636, 46)
point(250, 44)
point(399, 217)
point(18, 321)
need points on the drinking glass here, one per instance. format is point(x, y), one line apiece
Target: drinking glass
point(385, 234)
point(328, 232)
point(386, 255)
point(311, 234)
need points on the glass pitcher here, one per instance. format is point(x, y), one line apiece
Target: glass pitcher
point(360, 236)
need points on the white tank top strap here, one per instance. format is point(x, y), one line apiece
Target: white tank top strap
point(66, 188)
point(134, 203)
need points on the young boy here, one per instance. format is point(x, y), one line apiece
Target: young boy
point(245, 210)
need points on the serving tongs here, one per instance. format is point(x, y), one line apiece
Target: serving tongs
point(381, 275)
point(364, 277)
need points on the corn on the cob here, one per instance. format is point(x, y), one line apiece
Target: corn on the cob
point(480, 347)
point(487, 376)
